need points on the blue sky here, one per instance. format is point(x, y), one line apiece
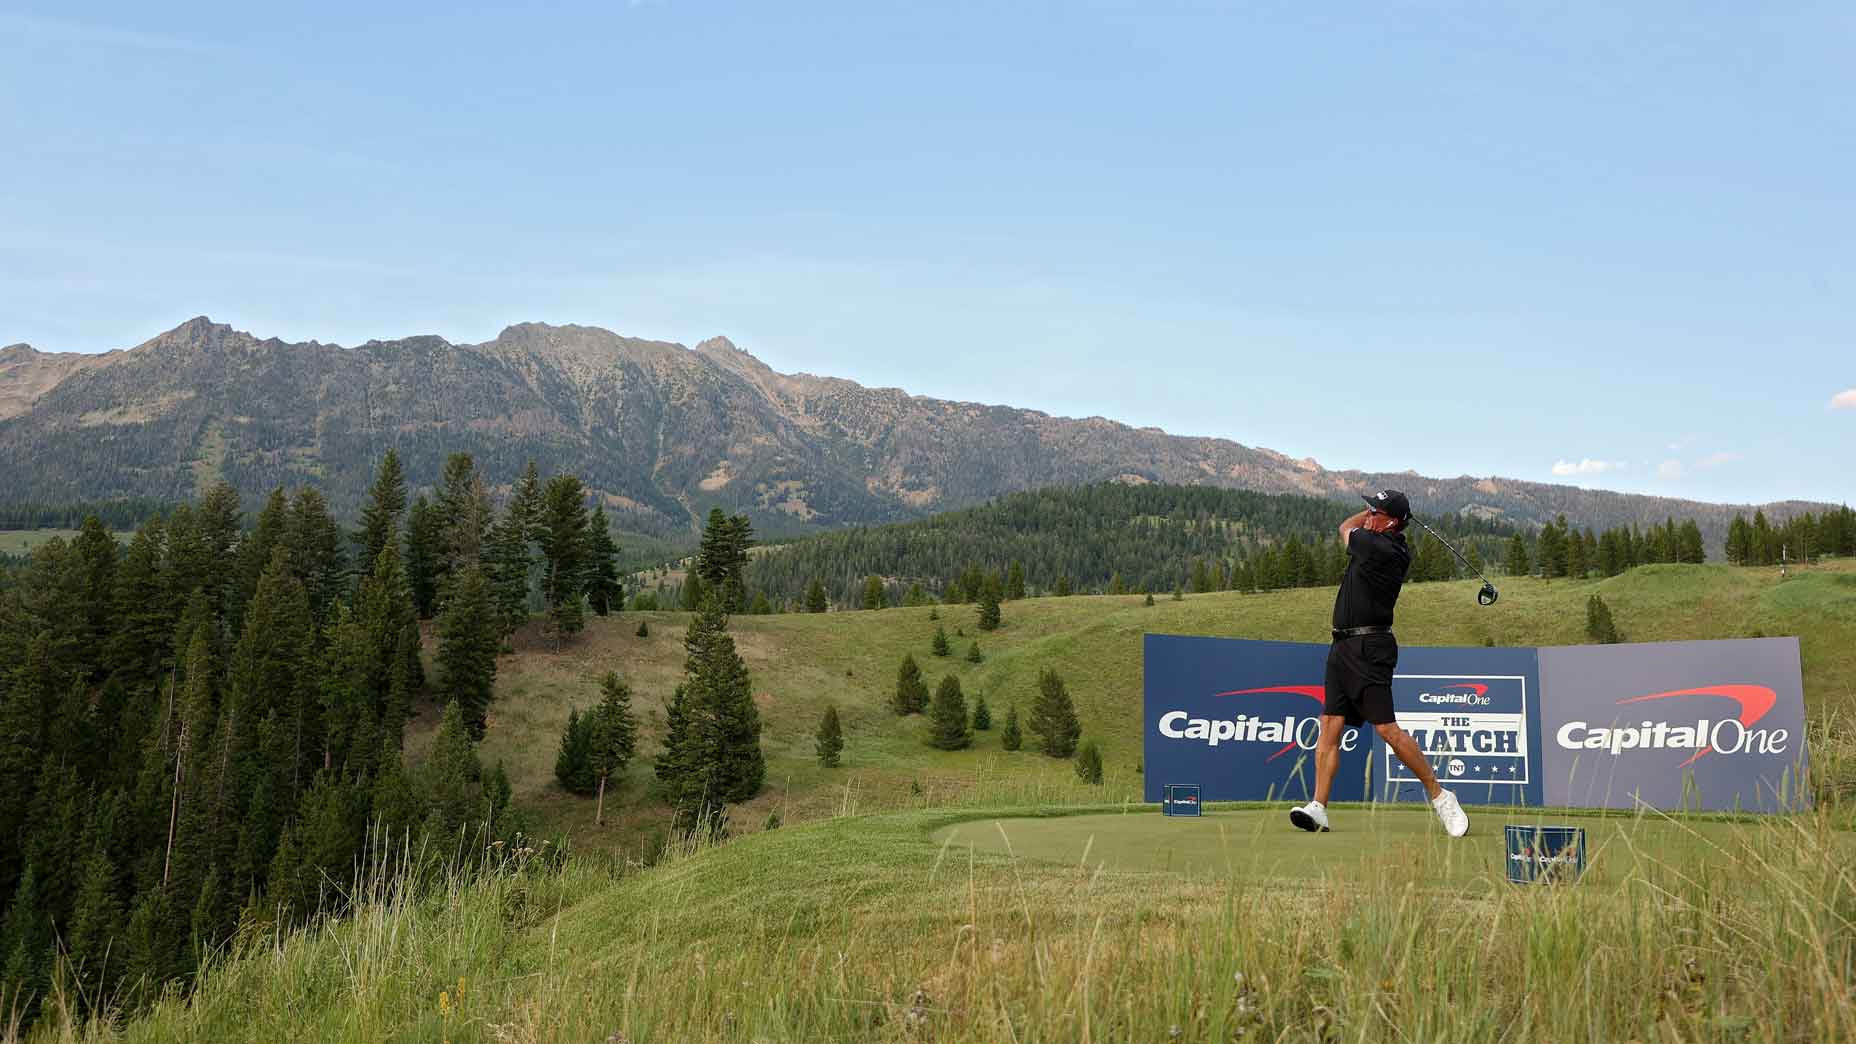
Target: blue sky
point(1608, 244)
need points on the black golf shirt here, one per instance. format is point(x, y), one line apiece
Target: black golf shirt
point(1376, 568)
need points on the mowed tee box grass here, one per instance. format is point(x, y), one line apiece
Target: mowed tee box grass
point(802, 662)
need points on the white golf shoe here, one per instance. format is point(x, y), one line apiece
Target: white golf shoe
point(1450, 814)
point(1312, 817)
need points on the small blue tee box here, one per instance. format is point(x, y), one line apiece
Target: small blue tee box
point(1181, 799)
point(1544, 854)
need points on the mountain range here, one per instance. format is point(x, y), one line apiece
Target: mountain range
point(663, 432)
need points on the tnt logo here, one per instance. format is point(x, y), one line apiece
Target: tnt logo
point(1472, 729)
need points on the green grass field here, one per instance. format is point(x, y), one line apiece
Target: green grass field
point(893, 927)
point(801, 662)
point(1259, 843)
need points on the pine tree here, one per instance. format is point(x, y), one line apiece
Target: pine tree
point(982, 715)
point(914, 596)
point(973, 653)
point(1178, 594)
point(989, 604)
point(1149, 599)
point(721, 560)
point(1015, 581)
point(613, 739)
point(1089, 764)
point(1516, 564)
point(1063, 586)
point(873, 592)
point(424, 554)
point(314, 541)
point(572, 763)
point(1116, 585)
point(829, 742)
point(604, 592)
point(380, 517)
point(1053, 716)
point(271, 669)
point(1599, 626)
point(1010, 738)
point(467, 644)
point(451, 778)
point(644, 629)
point(948, 716)
point(911, 695)
point(1200, 577)
point(721, 759)
point(1576, 565)
point(561, 532)
point(815, 597)
point(671, 765)
point(1689, 546)
point(939, 646)
point(506, 564)
point(761, 606)
point(695, 591)
point(463, 516)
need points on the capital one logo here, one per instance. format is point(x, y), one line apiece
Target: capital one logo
point(1704, 736)
point(1285, 732)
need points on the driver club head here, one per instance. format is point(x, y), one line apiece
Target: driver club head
point(1488, 594)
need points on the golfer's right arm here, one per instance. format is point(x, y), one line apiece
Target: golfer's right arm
point(1353, 523)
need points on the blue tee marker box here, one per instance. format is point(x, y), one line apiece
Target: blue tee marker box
point(1181, 799)
point(1544, 854)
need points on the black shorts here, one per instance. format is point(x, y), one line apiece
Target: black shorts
point(1359, 682)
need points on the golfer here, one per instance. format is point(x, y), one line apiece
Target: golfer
point(1364, 653)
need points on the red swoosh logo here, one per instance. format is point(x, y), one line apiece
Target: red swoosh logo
point(1314, 692)
point(1481, 689)
point(1754, 701)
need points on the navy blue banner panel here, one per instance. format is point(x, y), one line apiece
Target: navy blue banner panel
point(1240, 718)
point(1475, 714)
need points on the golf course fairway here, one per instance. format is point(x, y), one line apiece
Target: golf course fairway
point(1260, 843)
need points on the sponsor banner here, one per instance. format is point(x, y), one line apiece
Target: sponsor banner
point(1182, 799)
point(1474, 712)
point(1697, 725)
point(1241, 717)
point(1544, 854)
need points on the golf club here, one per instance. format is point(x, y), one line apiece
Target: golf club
point(1488, 594)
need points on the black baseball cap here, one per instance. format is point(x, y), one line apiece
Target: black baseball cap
point(1390, 502)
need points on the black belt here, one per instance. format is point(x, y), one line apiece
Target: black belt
point(1355, 632)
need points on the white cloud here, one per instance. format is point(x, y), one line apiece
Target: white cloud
point(1844, 400)
point(1682, 443)
point(1715, 460)
point(1669, 469)
point(1586, 466)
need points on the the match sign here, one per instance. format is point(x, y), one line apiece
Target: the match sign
point(1182, 799)
point(1544, 854)
point(1469, 710)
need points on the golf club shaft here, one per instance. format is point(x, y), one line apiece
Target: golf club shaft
point(1453, 550)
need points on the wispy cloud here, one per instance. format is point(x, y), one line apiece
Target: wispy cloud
point(1682, 443)
point(1844, 400)
point(1716, 459)
point(36, 30)
point(1669, 469)
point(1586, 466)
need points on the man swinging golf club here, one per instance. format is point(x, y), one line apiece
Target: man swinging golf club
point(1364, 653)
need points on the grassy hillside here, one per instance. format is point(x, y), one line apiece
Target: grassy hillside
point(872, 929)
point(802, 662)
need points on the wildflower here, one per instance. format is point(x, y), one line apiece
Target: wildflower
point(444, 1003)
